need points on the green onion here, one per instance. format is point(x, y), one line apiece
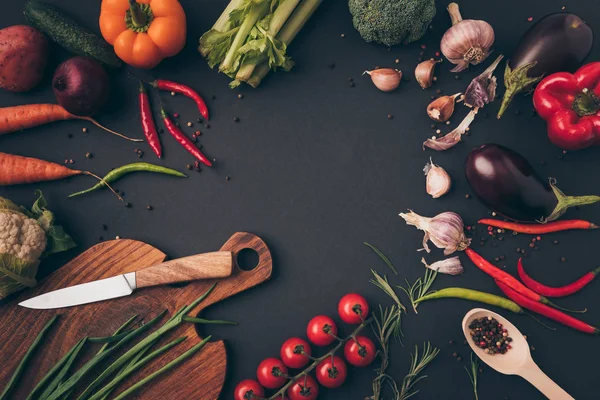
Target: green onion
point(63, 372)
point(171, 324)
point(207, 321)
point(99, 357)
point(21, 367)
point(164, 369)
point(119, 378)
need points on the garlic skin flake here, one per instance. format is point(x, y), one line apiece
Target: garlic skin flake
point(445, 230)
point(437, 181)
point(449, 266)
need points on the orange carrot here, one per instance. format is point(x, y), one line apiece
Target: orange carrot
point(13, 119)
point(15, 170)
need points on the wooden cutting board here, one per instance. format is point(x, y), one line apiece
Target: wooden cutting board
point(200, 377)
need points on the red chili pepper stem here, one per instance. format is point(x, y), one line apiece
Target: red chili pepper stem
point(538, 229)
point(547, 311)
point(147, 120)
point(183, 140)
point(185, 90)
point(562, 291)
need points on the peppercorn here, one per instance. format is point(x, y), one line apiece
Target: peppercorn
point(240, 96)
point(149, 207)
point(127, 205)
point(189, 124)
point(207, 126)
point(236, 119)
point(85, 130)
point(390, 116)
point(88, 155)
point(189, 166)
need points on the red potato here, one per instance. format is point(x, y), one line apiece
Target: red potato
point(23, 57)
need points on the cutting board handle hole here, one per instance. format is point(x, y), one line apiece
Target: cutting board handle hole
point(247, 259)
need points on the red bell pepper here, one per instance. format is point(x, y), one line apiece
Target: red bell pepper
point(570, 103)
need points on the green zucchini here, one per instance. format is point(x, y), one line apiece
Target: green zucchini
point(63, 30)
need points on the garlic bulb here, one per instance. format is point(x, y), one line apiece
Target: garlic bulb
point(385, 79)
point(445, 230)
point(442, 108)
point(466, 41)
point(424, 72)
point(449, 266)
point(437, 181)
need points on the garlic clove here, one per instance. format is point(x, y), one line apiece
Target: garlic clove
point(437, 181)
point(424, 72)
point(449, 266)
point(385, 79)
point(442, 108)
point(453, 138)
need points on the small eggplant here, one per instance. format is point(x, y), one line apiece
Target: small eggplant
point(558, 42)
point(507, 183)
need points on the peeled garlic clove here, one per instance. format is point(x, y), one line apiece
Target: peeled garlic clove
point(424, 72)
point(437, 181)
point(385, 79)
point(442, 108)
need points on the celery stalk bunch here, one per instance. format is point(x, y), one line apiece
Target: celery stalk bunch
point(251, 37)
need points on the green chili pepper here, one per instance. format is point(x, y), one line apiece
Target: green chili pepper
point(468, 294)
point(118, 173)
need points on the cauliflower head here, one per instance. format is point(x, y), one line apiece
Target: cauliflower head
point(391, 22)
point(26, 237)
point(21, 236)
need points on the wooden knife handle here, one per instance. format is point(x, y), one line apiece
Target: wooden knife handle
point(218, 264)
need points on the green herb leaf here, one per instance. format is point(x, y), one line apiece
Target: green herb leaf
point(70, 359)
point(214, 45)
point(473, 374)
point(383, 257)
point(418, 364)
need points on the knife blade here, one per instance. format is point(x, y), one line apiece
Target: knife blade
point(91, 292)
point(213, 265)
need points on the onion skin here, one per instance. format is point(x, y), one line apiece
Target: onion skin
point(81, 86)
point(507, 183)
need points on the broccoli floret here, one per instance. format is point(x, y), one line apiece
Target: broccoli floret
point(392, 22)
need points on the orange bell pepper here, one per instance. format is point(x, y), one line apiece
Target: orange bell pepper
point(143, 32)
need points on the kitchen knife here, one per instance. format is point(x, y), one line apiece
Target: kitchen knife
point(218, 264)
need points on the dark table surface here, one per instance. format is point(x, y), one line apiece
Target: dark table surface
point(316, 169)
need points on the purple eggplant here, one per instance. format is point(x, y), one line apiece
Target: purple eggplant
point(507, 183)
point(558, 42)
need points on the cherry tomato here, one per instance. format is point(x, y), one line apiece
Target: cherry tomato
point(360, 352)
point(332, 372)
point(246, 389)
point(321, 330)
point(291, 353)
point(353, 308)
point(305, 388)
point(272, 373)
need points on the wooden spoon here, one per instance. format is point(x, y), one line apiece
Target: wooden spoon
point(517, 360)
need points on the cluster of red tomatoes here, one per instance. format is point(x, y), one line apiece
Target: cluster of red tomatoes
point(330, 370)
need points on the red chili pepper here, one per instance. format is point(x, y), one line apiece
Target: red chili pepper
point(148, 124)
point(546, 311)
point(183, 139)
point(185, 90)
point(536, 229)
point(570, 103)
point(556, 291)
point(509, 280)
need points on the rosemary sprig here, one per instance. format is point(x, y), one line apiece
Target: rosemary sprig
point(383, 284)
point(383, 257)
point(420, 288)
point(473, 374)
point(417, 366)
point(21, 367)
point(385, 325)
